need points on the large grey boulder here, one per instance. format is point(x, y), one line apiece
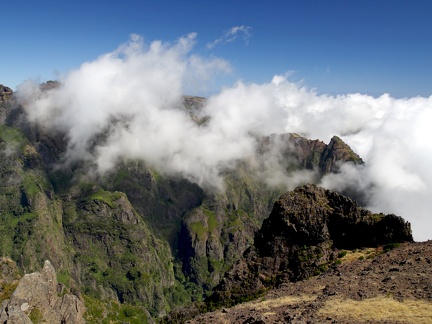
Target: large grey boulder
point(38, 295)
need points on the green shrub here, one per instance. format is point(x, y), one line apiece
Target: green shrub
point(36, 316)
point(391, 246)
point(342, 254)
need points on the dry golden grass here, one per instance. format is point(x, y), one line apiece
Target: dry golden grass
point(359, 254)
point(379, 309)
point(276, 302)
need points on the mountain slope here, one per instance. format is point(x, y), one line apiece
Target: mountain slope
point(369, 286)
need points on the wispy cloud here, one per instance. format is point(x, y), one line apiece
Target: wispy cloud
point(231, 35)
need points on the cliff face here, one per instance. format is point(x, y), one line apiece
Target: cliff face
point(115, 256)
point(301, 237)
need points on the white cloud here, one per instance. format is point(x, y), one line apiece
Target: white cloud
point(140, 85)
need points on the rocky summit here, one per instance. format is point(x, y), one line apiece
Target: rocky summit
point(302, 237)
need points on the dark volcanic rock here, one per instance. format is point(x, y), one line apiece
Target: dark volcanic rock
point(310, 215)
point(335, 152)
point(299, 152)
point(301, 238)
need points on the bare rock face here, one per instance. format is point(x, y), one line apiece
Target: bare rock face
point(38, 296)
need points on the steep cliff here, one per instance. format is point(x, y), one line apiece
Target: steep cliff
point(114, 254)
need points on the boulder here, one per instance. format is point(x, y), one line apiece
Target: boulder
point(38, 295)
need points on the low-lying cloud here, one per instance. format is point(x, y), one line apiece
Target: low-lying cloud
point(134, 92)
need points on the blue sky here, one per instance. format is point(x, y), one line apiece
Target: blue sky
point(335, 46)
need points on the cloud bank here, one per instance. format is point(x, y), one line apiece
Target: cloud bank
point(133, 95)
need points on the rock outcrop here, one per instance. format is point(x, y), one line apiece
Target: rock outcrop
point(39, 297)
point(5, 93)
point(302, 237)
point(301, 153)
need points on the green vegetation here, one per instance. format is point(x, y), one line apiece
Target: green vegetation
point(7, 289)
point(212, 224)
point(13, 137)
point(108, 248)
point(36, 316)
point(63, 277)
point(177, 295)
point(211, 219)
point(198, 228)
point(342, 254)
point(112, 312)
point(107, 197)
point(116, 251)
point(390, 247)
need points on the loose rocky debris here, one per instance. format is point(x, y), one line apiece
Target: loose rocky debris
point(392, 287)
point(39, 298)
